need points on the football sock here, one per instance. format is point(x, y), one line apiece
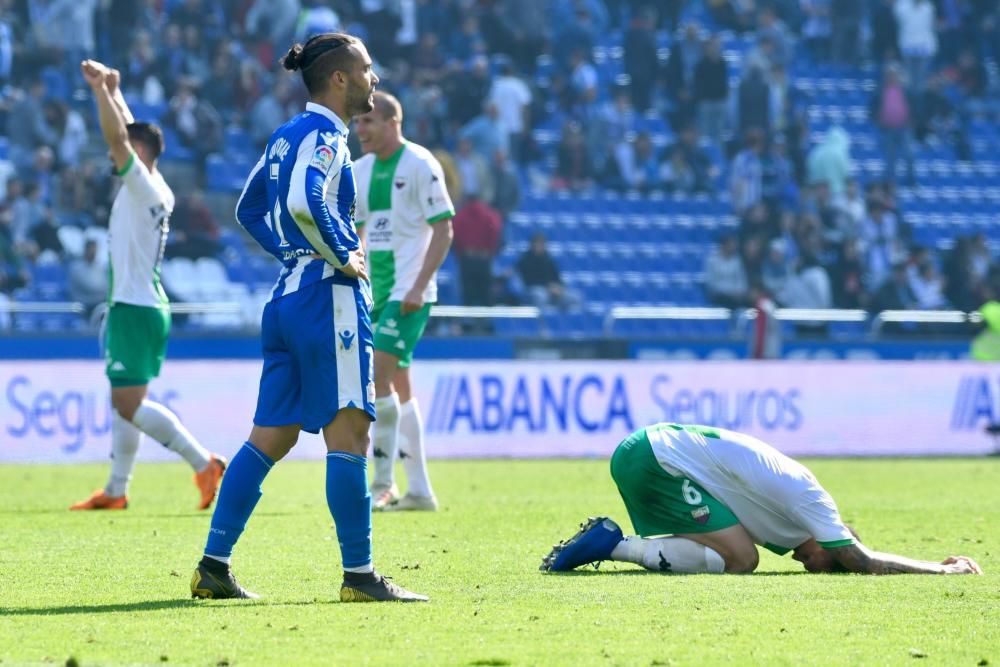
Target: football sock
point(411, 431)
point(669, 554)
point(238, 495)
point(124, 446)
point(159, 423)
point(385, 434)
point(351, 508)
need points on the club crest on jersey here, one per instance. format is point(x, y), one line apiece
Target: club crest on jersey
point(400, 183)
point(346, 338)
point(322, 158)
point(701, 514)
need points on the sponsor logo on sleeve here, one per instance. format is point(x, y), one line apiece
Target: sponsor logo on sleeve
point(322, 158)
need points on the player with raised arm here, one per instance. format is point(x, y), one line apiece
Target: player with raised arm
point(406, 212)
point(298, 203)
point(700, 498)
point(138, 319)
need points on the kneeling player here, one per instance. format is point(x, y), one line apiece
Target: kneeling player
point(714, 494)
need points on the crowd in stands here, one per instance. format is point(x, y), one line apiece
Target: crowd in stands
point(476, 78)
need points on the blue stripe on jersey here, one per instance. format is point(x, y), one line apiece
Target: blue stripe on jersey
point(286, 177)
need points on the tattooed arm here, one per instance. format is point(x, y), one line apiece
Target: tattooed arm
point(858, 558)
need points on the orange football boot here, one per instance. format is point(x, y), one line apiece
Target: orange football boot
point(99, 500)
point(208, 480)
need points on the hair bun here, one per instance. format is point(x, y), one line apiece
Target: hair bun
point(293, 59)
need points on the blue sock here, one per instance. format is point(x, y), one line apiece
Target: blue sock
point(238, 495)
point(351, 507)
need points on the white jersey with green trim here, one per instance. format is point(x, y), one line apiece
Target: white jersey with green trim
point(137, 235)
point(777, 499)
point(398, 200)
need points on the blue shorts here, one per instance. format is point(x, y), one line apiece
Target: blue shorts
point(318, 356)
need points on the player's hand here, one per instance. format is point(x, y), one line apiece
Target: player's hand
point(112, 80)
point(355, 267)
point(94, 73)
point(961, 565)
point(412, 302)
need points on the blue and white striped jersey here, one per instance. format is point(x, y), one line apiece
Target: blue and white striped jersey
point(298, 201)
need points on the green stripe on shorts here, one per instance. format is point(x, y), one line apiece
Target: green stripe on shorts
point(659, 503)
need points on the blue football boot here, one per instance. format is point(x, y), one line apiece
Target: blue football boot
point(594, 542)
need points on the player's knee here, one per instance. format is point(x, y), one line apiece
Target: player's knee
point(742, 561)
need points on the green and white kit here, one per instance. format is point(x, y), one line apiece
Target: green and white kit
point(139, 316)
point(398, 200)
point(685, 479)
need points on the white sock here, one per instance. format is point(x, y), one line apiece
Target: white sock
point(124, 446)
point(385, 436)
point(669, 554)
point(361, 569)
point(411, 449)
point(222, 559)
point(162, 425)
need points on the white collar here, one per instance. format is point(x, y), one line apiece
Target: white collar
point(328, 113)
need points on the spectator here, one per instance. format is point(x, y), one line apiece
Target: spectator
point(220, 89)
point(938, 119)
point(507, 185)
point(830, 162)
point(467, 41)
point(711, 91)
point(917, 39)
point(195, 121)
point(776, 271)
point(272, 20)
point(890, 111)
point(540, 276)
point(848, 275)
point(928, 287)
point(771, 28)
point(144, 76)
point(271, 110)
point(885, 32)
point(583, 83)
point(65, 27)
point(24, 202)
point(45, 235)
point(487, 133)
point(746, 173)
point(703, 172)
point(88, 278)
point(70, 130)
point(679, 76)
point(640, 58)
point(575, 168)
point(880, 240)
point(512, 97)
point(473, 172)
point(895, 292)
point(27, 127)
point(846, 28)
point(778, 176)
point(817, 29)
point(809, 289)
point(194, 232)
point(754, 100)
point(13, 269)
point(852, 209)
point(466, 90)
point(725, 276)
point(478, 228)
point(639, 164)
point(970, 74)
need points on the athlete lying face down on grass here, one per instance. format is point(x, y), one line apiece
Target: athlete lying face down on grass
point(701, 498)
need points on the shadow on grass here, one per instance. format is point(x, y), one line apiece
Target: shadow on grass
point(148, 605)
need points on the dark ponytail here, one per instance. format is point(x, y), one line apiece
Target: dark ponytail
point(324, 52)
point(293, 59)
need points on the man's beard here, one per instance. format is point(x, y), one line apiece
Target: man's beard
point(359, 102)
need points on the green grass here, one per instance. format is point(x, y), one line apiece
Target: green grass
point(112, 588)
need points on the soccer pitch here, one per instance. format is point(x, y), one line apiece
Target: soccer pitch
point(112, 588)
